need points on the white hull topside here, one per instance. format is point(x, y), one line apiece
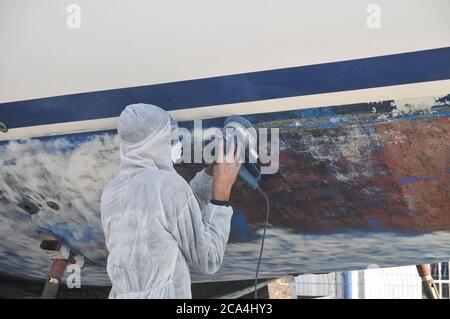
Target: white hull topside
point(124, 44)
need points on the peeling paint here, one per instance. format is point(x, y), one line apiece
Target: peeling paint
point(410, 106)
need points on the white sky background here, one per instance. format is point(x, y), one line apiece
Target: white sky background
point(141, 42)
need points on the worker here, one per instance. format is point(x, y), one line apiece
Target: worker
point(156, 225)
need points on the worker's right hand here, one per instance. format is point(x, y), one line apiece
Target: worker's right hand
point(225, 172)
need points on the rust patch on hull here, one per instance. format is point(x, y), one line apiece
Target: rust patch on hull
point(352, 177)
point(418, 156)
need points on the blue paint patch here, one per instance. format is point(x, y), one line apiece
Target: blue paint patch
point(322, 222)
point(414, 213)
point(409, 180)
point(239, 228)
point(376, 224)
point(317, 112)
point(417, 117)
point(10, 162)
point(329, 192)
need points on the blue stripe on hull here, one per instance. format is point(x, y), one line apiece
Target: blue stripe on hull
point(414, 67)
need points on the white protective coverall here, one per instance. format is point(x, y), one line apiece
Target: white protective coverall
point(155, 223)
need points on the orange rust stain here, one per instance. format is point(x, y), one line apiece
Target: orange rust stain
point(418, 156)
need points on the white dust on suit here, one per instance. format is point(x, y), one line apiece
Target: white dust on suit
point(157, 225)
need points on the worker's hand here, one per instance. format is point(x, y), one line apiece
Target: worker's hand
point(225, 172)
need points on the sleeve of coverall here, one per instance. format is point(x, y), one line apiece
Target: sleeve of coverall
point(203, 234)
point(201, 186)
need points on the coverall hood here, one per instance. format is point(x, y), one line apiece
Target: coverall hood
point(145, 137)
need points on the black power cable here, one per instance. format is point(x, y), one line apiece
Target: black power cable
point(262, 241)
